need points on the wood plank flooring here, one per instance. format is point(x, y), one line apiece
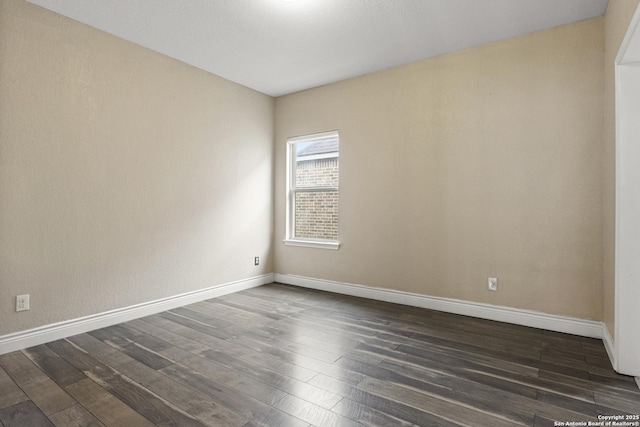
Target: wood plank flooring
point(283, 356)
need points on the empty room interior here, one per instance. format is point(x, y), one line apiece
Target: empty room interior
point(319, 213)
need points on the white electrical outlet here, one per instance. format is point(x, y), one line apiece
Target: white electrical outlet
point(492, 284)
point(22, 302)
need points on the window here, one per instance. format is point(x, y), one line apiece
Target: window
point(312, 184)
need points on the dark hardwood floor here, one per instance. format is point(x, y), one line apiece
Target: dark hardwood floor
point(283, 356)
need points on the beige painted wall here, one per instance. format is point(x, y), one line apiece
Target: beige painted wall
point(125, 176)
point(484, 162)
point(616, 22)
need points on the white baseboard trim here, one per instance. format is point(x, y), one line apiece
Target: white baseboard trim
point(609, 345)
point(56, 331)
point(535, 319)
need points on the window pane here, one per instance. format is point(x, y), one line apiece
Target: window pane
point(316, 163)
point(312, 204)
point(316, 215)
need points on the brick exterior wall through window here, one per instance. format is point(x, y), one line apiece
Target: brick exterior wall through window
point(316, 212)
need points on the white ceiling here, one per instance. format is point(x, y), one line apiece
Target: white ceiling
point(283, 46)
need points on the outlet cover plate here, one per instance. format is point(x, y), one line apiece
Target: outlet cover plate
point(22, 302)
point(492, 284)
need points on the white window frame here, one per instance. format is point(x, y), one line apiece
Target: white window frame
point(292, 190)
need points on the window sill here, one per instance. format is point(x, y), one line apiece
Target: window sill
point(312, 244)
